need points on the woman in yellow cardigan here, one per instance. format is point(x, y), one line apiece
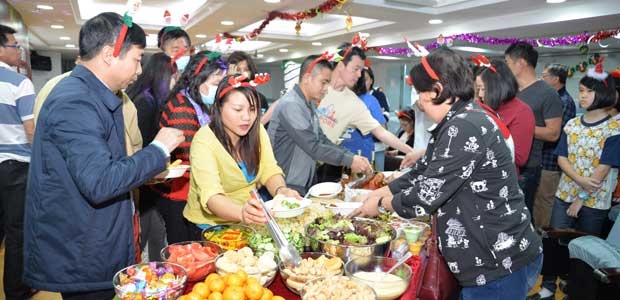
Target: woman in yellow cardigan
point(230, 157)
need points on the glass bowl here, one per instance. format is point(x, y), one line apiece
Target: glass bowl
point(312, 267)
point(262, 268)
point(372, 271)
point(167, 283)
point(197, 257)
point(229, 236)
point(336, 288)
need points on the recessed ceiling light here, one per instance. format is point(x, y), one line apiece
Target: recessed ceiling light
point(227, 23)
point(435, 21)
point(45, 7)
point(272, 1)
point(65, 38)
point(283, 50)
point(55, 26)
point(260, 55)
point(555, 1)
point(201, 36)
point(70, 45)
point(317, 44)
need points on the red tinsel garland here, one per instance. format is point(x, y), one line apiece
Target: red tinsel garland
point(296, 16)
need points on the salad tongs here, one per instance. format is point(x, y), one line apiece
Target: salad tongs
point(288, 254)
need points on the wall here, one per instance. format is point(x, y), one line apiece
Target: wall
point(39, 78)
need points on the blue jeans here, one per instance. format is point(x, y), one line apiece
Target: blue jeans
point(514, 286)
point(530, 177)
point(589, 220)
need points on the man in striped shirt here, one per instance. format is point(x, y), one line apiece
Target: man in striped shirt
point(16, 131)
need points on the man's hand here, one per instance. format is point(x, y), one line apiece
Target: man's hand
point(574, 208)
point(360, 165)
point(170, 137)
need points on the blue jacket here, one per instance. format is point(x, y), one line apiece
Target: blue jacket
point(78, 228)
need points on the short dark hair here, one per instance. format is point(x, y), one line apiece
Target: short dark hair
point(453, 72)
point(248, 145)
point(354, 51)
point(604, 92)
point(500, 86)
point(169, 33)
point(559, 70)
point(320, 65)
point(156, 76)
point(192, 82)
point(523, 50)
point(103, 30)
point(4, 30)
point(239, 56)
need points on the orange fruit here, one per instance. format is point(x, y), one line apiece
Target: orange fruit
point(234, 280)
point(253, 280)
point(182, 298)
point(242, 274)
point(233, 293)
point(253, 290)
point(193, 296)
point(201, 289)
point(211, 276)
point(215, 296)
point(267, 294)
point(277, 298)
point(217, 285)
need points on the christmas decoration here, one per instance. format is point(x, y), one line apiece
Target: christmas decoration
point(298, 27)
point(584, 49)
point(299, 16)
point(348, 22)
point(473, 38)
point(132, 8)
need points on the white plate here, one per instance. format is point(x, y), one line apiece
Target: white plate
point(174, 172)
point(325, 190)
point(355, 195)
point(280, 211)
point(344, 208)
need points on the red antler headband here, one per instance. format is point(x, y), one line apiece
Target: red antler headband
point(420, 51)
point(239, 81)
point(359, 40)
point(483, 61)
point(132, 8)
point(325, 56)
point(427, 67)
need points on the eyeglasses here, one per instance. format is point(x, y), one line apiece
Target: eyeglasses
point(16, 46)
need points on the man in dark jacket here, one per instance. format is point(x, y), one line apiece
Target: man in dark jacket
point(78, 228)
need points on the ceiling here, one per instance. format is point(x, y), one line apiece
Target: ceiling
point(387, 21)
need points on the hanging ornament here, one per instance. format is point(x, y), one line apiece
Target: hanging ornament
point(449, 42)
point(167, 17)
point(298, 28)
point(570, 73)
point(595, 58)
point(184, 19)
point(349, 22)
point(584, 49)
point(583, 66)
point(440, 40)
point(342, 2)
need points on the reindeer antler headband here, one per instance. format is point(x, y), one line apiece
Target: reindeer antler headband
point(239, 81)
point(360, 40)
point(132, 8)
point(420, 51)
point(210, 57)
point(325, 56)
point(483, 61)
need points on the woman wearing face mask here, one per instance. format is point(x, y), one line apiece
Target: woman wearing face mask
point(230, 157)
point(188, 108)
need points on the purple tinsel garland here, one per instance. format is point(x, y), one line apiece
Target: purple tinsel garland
point(478, 39)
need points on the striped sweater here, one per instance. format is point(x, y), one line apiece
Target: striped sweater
point(179, 113)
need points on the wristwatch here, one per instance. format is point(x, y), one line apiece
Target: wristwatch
point(380, 207)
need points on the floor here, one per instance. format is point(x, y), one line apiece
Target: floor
point(56, 296)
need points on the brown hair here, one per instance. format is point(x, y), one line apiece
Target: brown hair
point(249, 145)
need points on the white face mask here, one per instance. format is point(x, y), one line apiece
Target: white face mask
point(182, 62)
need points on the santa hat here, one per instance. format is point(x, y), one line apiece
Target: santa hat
point(597, 72)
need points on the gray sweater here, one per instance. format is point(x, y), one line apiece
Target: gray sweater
point(298, 141)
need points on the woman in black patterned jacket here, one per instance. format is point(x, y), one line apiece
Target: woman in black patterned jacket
point(467, 178)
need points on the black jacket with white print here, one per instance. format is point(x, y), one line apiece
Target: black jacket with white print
point(468, 177)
